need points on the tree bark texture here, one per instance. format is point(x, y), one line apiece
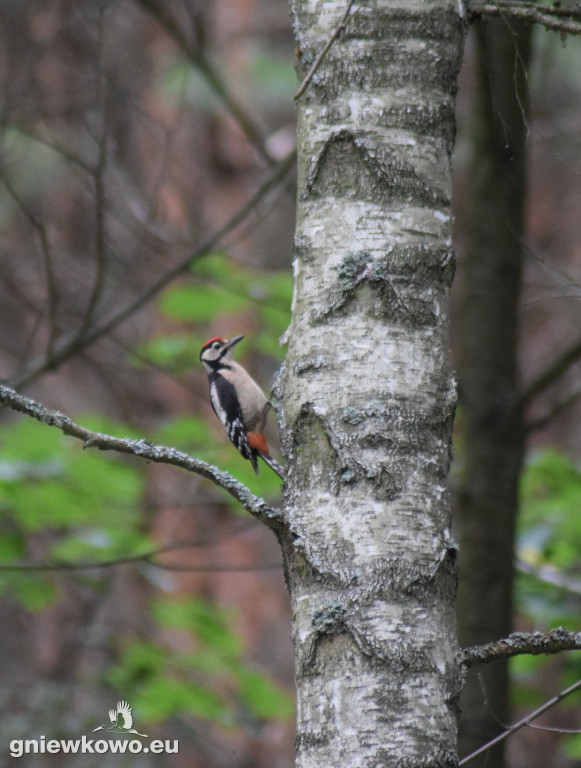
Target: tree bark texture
point(491, 426)
point(367, 394)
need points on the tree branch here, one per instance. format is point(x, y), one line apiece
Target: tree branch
point(145, 450)
point(521, 723)
point(335, 34)
point(519, 643)
point(550, 375)
point(555, 18)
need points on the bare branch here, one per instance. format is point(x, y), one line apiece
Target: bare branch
point(149, 558)
point(100, 212)
point(59, 149)
point(519, 643)
point(335, 34)
point(552, 17)
point(51, 287)
point(522, 723)
point(551, 374)
point(211, 75)
point(74, 345)
point(553, 410)
point(144, 450)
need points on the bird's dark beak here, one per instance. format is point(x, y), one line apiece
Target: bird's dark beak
point(234, 341)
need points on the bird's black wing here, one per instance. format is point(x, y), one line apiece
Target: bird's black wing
point(227, 409)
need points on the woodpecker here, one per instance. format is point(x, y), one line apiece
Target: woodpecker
point(238, 402)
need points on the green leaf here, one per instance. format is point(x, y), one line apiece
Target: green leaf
point(166, 696)
point(200, 303)
point(263, 698)
point(12, 546)
point(176, 352)
point(205, 620)
point(34, 591)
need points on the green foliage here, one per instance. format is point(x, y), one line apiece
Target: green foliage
point(175, 352)
point(87, 500)
point(223, 288)
point(34, 591)
point(551, 499)
point(211, 681)
point(200, 302)
point(549, 537)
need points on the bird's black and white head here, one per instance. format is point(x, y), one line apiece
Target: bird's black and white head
point(217, 352)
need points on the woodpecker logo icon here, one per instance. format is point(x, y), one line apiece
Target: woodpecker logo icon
point(121, 721)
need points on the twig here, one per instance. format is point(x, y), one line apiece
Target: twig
point(522, 723)
point(74, 345)
point(557, 19)
point(519, 643)
point(144, 450)
point(334, 35)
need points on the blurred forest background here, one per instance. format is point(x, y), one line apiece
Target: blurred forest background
point(146, 204)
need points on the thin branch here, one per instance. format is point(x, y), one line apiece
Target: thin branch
point(100, 214)
point(145, 557)
point(55, 147)
point(73, 346)
point(524, 722)
point(551, 374)
point(519, 643)
point(51, 287)
point(217, 567)
point(554, 18)
point(213, 78)
point(334, 35)
point(144, 450)
point(553, 410)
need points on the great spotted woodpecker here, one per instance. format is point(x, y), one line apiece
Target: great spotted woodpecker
point(238, 402)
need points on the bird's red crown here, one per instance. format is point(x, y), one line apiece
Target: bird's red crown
point(214, 338)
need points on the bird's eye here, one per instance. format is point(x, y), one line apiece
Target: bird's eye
point(216, 345)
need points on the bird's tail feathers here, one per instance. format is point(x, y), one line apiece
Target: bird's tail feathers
point(273, 464)
point(257, 441)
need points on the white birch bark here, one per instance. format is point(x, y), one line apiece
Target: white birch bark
point(366, 390)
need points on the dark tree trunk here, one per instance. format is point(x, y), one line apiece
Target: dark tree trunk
point(491, 427)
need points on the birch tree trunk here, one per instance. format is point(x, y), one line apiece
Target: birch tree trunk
point(366, 389)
